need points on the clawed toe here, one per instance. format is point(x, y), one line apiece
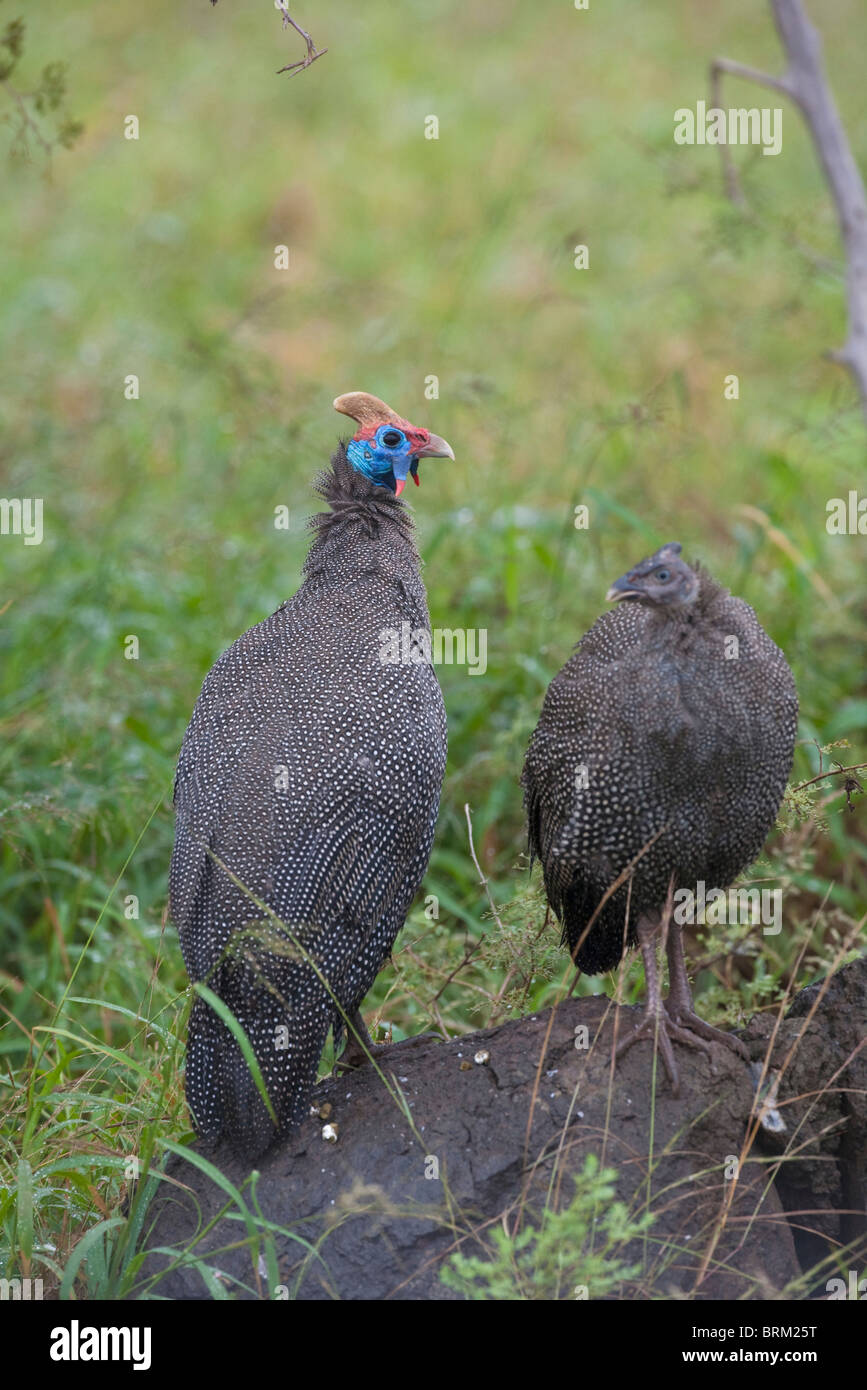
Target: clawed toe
point(356, 1054)
point(359, 1050)
point(663, 1028)
point(691, 1023)
point(654, 1027)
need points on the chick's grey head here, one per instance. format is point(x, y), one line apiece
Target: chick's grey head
point(662, 580)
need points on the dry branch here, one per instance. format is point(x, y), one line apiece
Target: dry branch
point(282, 7)
point(805, 83)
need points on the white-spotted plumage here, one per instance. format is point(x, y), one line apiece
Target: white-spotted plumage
point(307, 794)
point(668, 735)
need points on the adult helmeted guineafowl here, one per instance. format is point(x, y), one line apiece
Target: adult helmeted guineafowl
point(307, 793)
point(659, 761)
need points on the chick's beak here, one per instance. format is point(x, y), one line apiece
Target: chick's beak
point(435, 448)
point(621, 588)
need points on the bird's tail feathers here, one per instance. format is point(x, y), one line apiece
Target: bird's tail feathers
point(280, 998)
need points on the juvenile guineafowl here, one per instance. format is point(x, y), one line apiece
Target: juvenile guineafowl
point(659, 763)
point(307, 792)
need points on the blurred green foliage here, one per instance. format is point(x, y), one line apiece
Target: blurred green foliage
point(35, 116)
point(408, 258)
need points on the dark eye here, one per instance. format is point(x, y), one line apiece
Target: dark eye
point(662, 576)
point(391, 437)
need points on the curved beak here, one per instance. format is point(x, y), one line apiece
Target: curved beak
point(621, 588)
point(436, 448)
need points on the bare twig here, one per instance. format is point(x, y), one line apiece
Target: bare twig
point(837, 771)
point(312, 51)
point(805, 83)
point(851, 784)
point(717, 68)
point(469, 952)
point(482, 880)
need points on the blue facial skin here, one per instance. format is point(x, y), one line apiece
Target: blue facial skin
point(384, 458)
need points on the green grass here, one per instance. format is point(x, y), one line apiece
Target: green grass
point(408, 258)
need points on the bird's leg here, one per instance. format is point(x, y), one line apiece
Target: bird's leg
point(360, 1046)
point(679, 1003)
point(658, 1024)
point(653, 1025)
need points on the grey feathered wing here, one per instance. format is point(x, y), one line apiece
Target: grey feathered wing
point(320, 800)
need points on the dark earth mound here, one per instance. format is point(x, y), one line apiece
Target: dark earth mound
point(376, 1223)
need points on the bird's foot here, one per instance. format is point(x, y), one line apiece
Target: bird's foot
point(360, 1047)
point(659, 1027)
point(358, 1051)
point(688, 1019)
point(355, 1055)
